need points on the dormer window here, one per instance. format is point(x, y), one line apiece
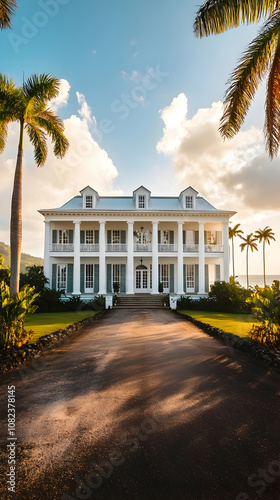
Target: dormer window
point(89, 203)
point(141, 201)
point(189, 202)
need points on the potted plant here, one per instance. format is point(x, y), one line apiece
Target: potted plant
point(160, 287)
point(116, 287)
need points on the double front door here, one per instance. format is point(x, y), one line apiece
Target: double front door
point(141, 280)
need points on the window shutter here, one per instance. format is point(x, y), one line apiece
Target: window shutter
point(123, 278)
point(196, 278)
point(196, 237)
point(82, 278)
point(171, 284)
point(184, 237)
point(54, 273)
point(159, 276)
point(205, 237)
point(171, 237)
point(96, 237)
point(96, 278)
point(109, 237)
point(70, 235)
point(206, 278)
point(185, 277)
point(159, 237)
point(82, 237)
point(54, 236)
point(217, 272)
point(109, 278)
point(123, 237)
point(69, 287)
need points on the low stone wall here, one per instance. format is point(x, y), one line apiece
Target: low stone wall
point(12, 358)
point(259, 351)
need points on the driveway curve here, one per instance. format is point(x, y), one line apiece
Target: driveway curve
point(143, 406)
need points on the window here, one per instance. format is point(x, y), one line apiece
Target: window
point(89, 277)
point(151, 276)
point(63, 236)
point(61, 277)
point(89, 237)
point(116, 273)
point(189, 202)
point(164, 275)
point(190, 277)
point(116, 237)
point(89, 202)
point(210, 238)
point(141, 201)
point(165, 237)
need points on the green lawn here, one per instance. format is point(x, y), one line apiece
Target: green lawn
point(239, 324)
point(45, 323)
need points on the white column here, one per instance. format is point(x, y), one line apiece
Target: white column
point(102, 259)
point(155, 257)
point(226, 251)
point(47, 264)
point(77, 259)
point(130, 260)
point(180, 285)
point(201, 260)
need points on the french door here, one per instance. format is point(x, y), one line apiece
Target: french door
point(141, 280)
point(88, 278)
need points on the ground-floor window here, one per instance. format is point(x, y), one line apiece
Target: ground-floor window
point(61, 276)
point(88, 277)
point(151, 276)
point(164, 275)
point(190, 277)
point(116, 273)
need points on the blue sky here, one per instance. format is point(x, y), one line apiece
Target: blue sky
point(127, 66)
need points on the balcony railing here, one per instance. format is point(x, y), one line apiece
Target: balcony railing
point(116, 247)
point(214, 248)
point(143, 247)
point(62, 247)
point(89, 247)
point(167, 248)
point(190, 247)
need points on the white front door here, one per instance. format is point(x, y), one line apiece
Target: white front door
point(141, 280)
point(88, 278)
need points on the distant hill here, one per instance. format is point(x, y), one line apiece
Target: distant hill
point(26, 259)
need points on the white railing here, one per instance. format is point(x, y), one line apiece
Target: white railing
point(89, 247)
point(190, 247)
point(143, 247)
point(167, 248)
point(214, 248)
point(116, 247)
point(62, 247)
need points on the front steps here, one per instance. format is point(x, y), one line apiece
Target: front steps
point(140, 301)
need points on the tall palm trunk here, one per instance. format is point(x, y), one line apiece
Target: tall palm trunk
point(247, 266)
point(16, 220)
point(264, 263)
point(233, 271)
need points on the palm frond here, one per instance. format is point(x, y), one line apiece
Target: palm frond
point(217, 16)
point(246, 77)
point(54, 127)
point(272, 106)
point(3, 135)
point(7, 9)
point(38, 139)
point(44, 87)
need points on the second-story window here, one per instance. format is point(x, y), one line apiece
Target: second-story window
point(189, 202)
point(89, 237)
point(141, 201)
point(116, 237)
point(63, 236)
point(88, 201)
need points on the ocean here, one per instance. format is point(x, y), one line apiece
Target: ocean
point(257, 279)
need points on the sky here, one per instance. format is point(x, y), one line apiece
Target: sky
point(141, 99)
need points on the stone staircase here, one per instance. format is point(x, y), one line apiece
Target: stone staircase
point(140, 301)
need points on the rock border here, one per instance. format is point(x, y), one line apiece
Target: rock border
point(11, 358)
point(259, 351)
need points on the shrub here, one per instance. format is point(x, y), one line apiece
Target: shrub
point(230, 297)
point(97, 304)
point(34, 277)
point(50, 301)
point(13, 311)
point(265, 304)
point(266, 333)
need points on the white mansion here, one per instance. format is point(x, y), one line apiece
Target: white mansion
point(94, 242)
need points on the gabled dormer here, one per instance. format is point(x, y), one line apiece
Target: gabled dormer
point(90, 197)
point(188, 198)
point(141, 197)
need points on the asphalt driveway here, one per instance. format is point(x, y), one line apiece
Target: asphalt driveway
point(144, 405)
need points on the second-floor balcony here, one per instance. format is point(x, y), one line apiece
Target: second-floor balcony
point(116, 247)
point(62, 247)
point(89, 247)
point(190, 247)
point(143, 247)
point(165, 247)
point(213, 248)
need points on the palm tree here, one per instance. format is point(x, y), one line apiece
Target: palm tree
point(261, 58)
point(249, 242)
point(7, 8)
point(265, 235)
point(28, 105)
point(232, 232)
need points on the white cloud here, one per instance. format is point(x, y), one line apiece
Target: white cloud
point(58, 181)
point(62, 99)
